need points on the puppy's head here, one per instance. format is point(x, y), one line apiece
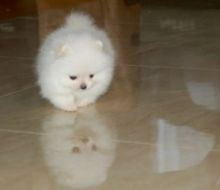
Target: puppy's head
point(83, 63)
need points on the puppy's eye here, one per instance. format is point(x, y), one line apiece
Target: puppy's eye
point(91, 76)
point(73, 77)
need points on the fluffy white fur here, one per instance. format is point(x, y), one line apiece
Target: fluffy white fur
point(75, 63)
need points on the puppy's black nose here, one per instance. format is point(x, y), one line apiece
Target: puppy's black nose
point(83, 86)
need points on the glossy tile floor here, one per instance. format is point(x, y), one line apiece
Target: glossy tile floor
point(157, 128)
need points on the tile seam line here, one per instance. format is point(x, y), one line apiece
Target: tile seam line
point(114, 140)
point(17, 92)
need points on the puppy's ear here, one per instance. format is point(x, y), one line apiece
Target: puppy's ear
point(62, 50)
point(99, 44)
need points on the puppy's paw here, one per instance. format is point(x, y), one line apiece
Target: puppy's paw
point(69, 107)
point(65, 103)
point(85, 102)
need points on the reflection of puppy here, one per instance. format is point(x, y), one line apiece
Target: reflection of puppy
point(75, 64)
point(79, 149)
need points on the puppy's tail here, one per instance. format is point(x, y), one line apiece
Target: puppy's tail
point(79, 21)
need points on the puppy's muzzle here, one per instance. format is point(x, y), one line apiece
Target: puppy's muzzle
point(83, 86)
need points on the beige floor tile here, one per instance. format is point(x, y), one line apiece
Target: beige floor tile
point(49, 162)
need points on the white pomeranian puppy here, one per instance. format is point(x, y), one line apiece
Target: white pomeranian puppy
point(75, 64)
